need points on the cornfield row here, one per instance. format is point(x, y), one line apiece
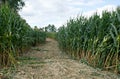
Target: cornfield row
point(16, 36)
point(95, 40)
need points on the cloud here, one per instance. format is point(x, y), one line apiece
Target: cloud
point(86, 2)
point(43, 12)
point(100, 10)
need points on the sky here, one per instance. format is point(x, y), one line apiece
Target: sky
point(40, 13)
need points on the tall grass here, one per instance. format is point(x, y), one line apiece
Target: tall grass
point(15, 36)
point(95, 39)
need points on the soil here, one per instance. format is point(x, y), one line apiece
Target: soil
point(48, 62)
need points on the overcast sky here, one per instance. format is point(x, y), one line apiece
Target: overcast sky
point(43, 12)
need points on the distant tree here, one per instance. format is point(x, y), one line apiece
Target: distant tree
point(35, 28)
point(41, 29)
point(50, 28)
point(46, 29)
point(14, 4)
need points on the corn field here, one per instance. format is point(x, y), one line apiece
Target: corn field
point(16, 36)
point(95, 40)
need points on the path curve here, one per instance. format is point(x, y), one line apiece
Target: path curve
point(48, 62)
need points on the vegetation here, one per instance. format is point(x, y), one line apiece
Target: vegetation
point(16, 36)
point(50, 28)
point(51, 31)
point(95, 39)
point(52, 35)
point(38, 36)
point(14, 4)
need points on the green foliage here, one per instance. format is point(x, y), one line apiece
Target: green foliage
point(15, 36)
point(95, 39)
point(37, 36)
point(51, 31)
point(52, 35)
point(50, 28)
point(14, 4)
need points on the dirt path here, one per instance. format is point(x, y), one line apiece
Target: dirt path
point(47, 62)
